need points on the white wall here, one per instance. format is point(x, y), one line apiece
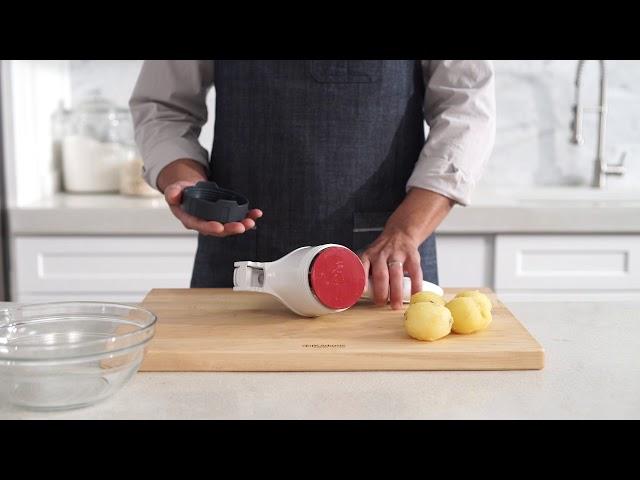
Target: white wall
point(534, 99)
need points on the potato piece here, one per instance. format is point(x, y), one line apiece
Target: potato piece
point(427, 297)
point(468, 315)
point(479, 297)
point(427, 321)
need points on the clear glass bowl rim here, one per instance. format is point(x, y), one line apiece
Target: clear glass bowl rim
point(21, 352)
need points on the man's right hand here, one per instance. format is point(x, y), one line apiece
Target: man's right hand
point(183, 173)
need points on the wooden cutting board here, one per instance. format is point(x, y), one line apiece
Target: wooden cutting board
point(223, 330)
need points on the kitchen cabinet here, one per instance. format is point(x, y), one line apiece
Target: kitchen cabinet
point(517, 266)
point(543, 267)
point(126, 267)
point(106, 268)
point(465, 260)
point(567, 264)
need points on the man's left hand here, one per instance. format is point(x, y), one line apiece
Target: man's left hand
point(395, 251)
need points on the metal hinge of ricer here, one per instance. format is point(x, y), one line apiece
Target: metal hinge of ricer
point(248, 275)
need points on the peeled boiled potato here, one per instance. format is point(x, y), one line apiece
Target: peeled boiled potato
point(479, 297)
point(427, 297)
point(469, 315)
point(427, 321)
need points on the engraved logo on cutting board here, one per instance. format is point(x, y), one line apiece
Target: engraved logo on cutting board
point(323, 345)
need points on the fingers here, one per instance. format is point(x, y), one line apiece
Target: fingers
point(366, 263)
point(197, 224)
point(414, 269)
point(173, 197)
point(208, 228)
point(213, 228)
point(380, 277)
point(254, 214)
point(250, 221)
point(247, 223)
point(234, 228)
point(173, 194)
point(396, 274)
point(194, 223)
point(387, 266)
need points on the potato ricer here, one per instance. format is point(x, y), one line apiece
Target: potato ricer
point(313, 281)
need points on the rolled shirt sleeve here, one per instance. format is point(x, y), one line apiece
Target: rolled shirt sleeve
point(459, 108)
point(168, 107)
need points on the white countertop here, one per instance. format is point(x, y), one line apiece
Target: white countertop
point(592, 372)
point(492, 211)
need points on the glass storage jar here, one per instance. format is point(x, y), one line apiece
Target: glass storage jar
point(94, 146)
point(132, 182)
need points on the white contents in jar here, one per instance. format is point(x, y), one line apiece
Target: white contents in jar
point(131, 179)
point(90, 165)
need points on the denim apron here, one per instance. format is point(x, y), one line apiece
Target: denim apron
point(323, 147)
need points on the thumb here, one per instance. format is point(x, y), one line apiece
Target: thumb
point(173, 193)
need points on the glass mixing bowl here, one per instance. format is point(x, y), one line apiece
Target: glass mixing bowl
point(56, 356)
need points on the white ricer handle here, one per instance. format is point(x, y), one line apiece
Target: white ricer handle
point(406, 289)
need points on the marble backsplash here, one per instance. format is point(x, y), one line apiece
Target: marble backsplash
point(534, 100)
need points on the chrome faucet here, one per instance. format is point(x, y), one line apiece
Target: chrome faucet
point(601, 167)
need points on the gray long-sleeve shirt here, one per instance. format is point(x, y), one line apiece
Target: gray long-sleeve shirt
point(168, 108)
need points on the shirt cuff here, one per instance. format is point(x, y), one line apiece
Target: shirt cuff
point(168, 151)
point(454, 184)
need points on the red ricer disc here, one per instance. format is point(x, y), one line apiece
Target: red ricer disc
point(337, 277)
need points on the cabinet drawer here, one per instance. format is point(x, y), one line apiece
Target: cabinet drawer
point(102, 264)
point(567, 262)
point(465, 261)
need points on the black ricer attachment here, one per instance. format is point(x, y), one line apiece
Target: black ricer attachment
point(208, 201)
